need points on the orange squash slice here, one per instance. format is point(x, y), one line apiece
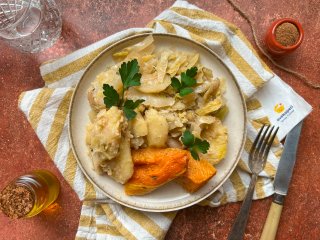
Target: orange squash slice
point(154, 167)
point(198, 173)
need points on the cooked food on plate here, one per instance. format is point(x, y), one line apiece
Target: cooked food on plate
point(154, 167)
point(156, 116)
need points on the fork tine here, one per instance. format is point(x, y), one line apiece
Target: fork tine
point(266, 152)
point(253, 147)
point(262, 139)
point(266, 141)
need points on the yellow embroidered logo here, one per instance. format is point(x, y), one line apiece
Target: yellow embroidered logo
point(278, 108)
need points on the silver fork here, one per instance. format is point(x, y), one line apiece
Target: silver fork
point(257, 160)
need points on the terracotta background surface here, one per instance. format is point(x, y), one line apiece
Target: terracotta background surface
point(87, 21)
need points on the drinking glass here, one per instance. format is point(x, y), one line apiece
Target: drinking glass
point(29, 25)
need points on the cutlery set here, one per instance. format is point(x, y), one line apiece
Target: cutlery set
point(257, 160)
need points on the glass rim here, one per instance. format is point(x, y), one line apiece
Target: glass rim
point(20, 18)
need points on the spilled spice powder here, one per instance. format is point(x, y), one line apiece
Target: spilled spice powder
point(287, 34)
point(16, 201)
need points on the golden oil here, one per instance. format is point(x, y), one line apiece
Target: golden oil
point(44, 187)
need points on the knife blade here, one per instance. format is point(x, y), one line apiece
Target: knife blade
point(287, 161)
point(282, 182)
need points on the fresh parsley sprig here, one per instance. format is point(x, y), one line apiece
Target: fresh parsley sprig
point(194, 144)
point(111, 96)
point(129, 72)
point(130, 76)
point(187, 81)
point(129, 106)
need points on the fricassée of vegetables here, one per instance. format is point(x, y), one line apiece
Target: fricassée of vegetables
point(149, 112)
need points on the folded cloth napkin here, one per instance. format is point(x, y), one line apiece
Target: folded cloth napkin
point(47, 111)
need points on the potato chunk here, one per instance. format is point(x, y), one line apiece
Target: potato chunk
point(157, 129)
point(104, 133)
point(121, 168)
point(139, 126)
point(95, 92)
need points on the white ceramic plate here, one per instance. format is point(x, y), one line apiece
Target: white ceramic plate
point(170, 196)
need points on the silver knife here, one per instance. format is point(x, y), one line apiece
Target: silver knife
point(281, 182)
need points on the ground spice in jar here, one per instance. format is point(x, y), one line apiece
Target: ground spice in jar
point(287, 34)
point(16, 201)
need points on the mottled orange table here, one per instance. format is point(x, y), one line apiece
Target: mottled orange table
point(87, 21)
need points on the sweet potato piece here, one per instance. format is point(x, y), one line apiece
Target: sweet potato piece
point(198, 173)
point(154, 167)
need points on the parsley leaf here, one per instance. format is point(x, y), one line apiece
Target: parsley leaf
point(192, 72)
point(175, 83)
point(129, 113)
point(129, 106)
point(187, 81)
point(194, 154)
point(111, 96)
point(133, 104)
point(129, 72)
point(185, 91)
point(195, 145)
point(202, 145)
point(130, 76)
point(187, 138)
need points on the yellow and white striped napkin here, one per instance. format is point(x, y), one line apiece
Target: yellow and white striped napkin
point(47, 111)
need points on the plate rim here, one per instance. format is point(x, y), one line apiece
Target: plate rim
point(174, 208)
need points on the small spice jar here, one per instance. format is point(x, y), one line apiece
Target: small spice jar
point(284, 36)
point(28, 195)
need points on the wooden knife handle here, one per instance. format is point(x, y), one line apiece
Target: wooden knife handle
point(271, 226)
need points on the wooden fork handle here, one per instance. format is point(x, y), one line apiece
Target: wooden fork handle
point(271, 226)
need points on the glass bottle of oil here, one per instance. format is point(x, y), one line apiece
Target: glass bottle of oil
point(43, 186)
